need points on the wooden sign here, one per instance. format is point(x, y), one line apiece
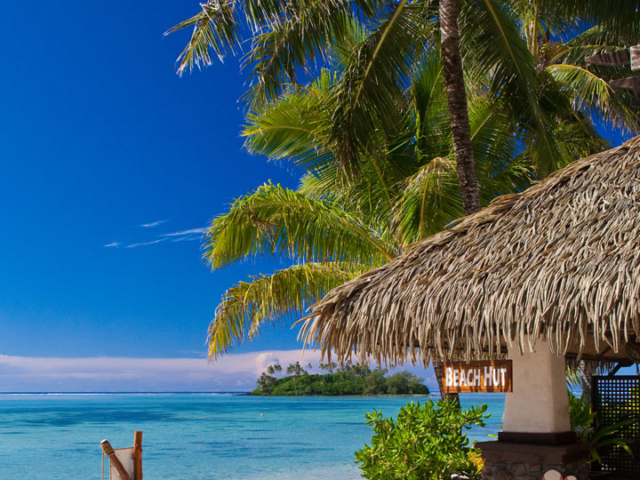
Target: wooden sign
point(477, 377)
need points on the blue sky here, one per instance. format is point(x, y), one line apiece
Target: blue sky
point(111, 167)
point(99, 137)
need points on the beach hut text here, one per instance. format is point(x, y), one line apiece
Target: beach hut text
point(480, 376)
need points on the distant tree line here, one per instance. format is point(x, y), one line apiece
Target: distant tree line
point(345, 380)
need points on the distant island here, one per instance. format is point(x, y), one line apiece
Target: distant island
point(346, 380)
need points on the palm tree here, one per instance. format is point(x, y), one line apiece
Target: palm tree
point(502, 41)
point(380, 173)
point(334, 227)
point(457, 98)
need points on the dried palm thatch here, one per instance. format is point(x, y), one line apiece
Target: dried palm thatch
point(560, 260)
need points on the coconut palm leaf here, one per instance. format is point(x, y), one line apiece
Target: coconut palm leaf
point(296, 127)
point(215, 27)
point(592, 41)
point(277, 221)
point(430, 199)
point(285, 36)
point(430, 108)
point(371, 87)
point(621, 19)
point(594, 95)
point(499, 165)
point(495, 48)
point(303, 34)
point(273, 299)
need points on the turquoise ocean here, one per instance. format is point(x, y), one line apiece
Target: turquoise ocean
point(197, 436)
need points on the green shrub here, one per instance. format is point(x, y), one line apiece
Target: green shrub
point(426, 442)
point(600, 437)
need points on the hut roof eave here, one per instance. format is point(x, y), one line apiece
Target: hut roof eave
point(560, 260)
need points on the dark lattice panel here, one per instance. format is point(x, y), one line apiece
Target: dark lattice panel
point(616, 399)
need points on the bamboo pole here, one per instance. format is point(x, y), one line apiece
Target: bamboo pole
point(137, 455)
point(108, 451)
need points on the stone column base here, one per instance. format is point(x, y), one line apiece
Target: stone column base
point(525, 461)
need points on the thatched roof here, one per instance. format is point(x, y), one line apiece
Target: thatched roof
point(561, 260)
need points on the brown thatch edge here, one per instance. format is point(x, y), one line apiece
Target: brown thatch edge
point(560, 261)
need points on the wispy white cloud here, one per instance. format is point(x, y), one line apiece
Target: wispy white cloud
point(143, 244)
point(190, 235)
point(186, 239)
point(184, 233)
point(153, 224)
point(233, 372)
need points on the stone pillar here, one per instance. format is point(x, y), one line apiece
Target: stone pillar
point(539, 403)
point(537, 434)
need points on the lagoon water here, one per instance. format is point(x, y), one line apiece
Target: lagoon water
point(197, 436)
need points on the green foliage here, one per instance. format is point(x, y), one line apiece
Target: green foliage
point(266, 382)
point(246, 306)
point(581, 415)
point(296, 369)
point(528, 56)
point(353, 93)
point(328, 367)
point(348, 380)
point(583, 422)
point(426, 442)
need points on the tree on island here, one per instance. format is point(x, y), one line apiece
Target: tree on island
point(328, 367)
point(296, 369)
point(274, 369)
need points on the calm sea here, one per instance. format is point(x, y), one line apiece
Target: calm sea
point(196, 436)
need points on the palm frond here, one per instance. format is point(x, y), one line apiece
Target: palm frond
point(496, 149)
point(430, 200)
point(295, 127)
point(595, 96)
point(371, 87)
point(277, 298)
point(277, 221)
point(592, 41)
point(303, 34)
point(215, 28)
point(430, 108)
point(620, 18)
point(494, 47)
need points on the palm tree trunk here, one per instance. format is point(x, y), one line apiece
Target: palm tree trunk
point(586, 371)
point(457, 99)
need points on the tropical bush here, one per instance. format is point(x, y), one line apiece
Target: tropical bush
point(583, 423)
point(426, 442)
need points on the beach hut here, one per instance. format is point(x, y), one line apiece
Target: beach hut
point(540, 277)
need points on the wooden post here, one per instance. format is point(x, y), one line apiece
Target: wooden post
point(108, 451)
point(137, 455)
